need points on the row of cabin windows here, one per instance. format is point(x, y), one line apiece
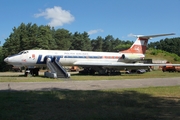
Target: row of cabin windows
point(96, 57)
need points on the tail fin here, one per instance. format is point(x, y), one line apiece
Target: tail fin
point(140, 44)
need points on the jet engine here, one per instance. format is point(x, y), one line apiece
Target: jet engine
point(123, 56)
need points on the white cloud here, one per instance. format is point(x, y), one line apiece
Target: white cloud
point(95, 31)
point(130, 35)
point(57, 16)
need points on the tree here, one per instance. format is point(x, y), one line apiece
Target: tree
point(32, 32)
point(107, 43)
point(63, 39)
point(87, 42)
point(97, 44)
point(13, 43)
point(44, 38)
point(1, 60)
point(115, 43)
point(169, 44)
point(80, 41)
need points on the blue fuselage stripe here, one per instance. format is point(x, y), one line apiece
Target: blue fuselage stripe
point(41, 60)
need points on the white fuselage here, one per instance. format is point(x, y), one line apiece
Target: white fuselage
point(68, 58)
point(75, 57)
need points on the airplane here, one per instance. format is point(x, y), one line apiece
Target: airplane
point(99, 62)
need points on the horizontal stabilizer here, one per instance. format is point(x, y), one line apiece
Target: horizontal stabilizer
point(140, 45)
point(152, 36)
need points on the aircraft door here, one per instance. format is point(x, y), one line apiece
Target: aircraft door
point(24, 57)
point(28, 58)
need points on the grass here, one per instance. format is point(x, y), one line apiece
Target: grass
point(140, 103)
point(137, 104)
point(156, 54)
point(77, 77)
point(153, 74)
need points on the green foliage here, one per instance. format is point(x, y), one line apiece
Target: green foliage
point(63, 39)
point(157, 52)
point(176, 58)
point(1, 58)
point(154, 53)
point(123, 46)
point(169, 44)
point(107, 43)
point(97, 44)
point(80, 41)
point(28, 37)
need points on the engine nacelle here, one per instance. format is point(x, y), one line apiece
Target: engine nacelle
point(123, 56)
point(129, 58)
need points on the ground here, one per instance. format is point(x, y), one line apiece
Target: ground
point(90, 85)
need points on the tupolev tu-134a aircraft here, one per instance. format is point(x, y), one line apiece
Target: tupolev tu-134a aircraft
point(100, 62)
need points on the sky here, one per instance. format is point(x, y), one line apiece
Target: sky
point(119, 18)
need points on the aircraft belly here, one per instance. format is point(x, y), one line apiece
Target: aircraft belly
point(17, 65)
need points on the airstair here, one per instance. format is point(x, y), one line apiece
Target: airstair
point(57, 71)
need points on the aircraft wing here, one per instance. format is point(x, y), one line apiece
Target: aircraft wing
point(117, 64)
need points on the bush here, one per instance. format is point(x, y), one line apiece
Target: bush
point(154, 53)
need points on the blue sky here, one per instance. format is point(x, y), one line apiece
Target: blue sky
point(119, 18)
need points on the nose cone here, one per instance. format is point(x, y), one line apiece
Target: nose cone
point(6, 60)
point(15, 61)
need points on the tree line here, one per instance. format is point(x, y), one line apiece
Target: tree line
point(32, 36)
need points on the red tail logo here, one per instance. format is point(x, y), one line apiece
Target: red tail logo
point(139, 46)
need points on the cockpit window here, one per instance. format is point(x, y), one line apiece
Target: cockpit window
point(23, 52)
point(20, 52)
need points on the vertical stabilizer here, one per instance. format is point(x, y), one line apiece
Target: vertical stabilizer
point(140, 45)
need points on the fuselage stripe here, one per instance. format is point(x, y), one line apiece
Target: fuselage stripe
point(93, 57)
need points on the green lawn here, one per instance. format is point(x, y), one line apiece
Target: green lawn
point(120, 104)
point(139, 104)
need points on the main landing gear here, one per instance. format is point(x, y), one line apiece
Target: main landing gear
point(90, 71)
point(113, 72)
point(32, 72)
